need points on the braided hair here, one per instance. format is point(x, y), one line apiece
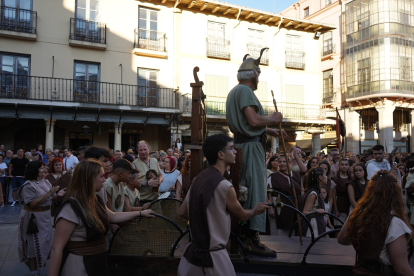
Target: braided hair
point(313, 178)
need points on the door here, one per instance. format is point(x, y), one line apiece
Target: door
point(86, 82)
point(147, 88)
point(294, 54)
point(16, 15)
point(148, 29)
point(87, 20)
point(14, 76)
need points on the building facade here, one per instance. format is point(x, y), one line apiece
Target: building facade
point(77, 72)
point(374, 68)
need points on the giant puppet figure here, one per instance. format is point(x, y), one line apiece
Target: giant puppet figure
point(245, 117)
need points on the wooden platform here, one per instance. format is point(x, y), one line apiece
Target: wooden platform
point(326, 257)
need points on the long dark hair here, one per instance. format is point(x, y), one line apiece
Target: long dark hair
point(362, 165)
point(269, 164)
point(325, 162)
point(308, 166)
point(313, 178)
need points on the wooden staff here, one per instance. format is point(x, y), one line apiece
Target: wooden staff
point(295, 200)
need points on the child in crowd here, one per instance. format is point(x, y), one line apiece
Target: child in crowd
point(324, 196)
point(131, 193)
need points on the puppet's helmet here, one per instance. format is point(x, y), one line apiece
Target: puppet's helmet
point(250, 64)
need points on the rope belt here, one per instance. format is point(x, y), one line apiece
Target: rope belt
point(377, 267)
point(37, 209)
point(83, 248)
point(199, 254)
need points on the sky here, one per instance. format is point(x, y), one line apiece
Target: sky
point(264, 5)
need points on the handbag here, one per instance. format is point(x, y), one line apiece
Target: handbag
point(32, 226)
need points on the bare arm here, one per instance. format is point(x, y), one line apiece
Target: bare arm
point(178, 189)
point(397, 250)
point(160, 175)
point(108, 201)
point(121, 217)
point(128, 207)
point(10, 169)
point(309, 203)
point(63, 231)
point(342, 239)
point(237, 210)
point(302, 166)
point(351, 194)
point(256, 120)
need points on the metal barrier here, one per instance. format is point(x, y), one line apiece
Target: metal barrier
point(311, 214)
point(303, 263)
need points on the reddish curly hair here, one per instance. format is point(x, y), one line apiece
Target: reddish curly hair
point(172, 162)
point(52, 164)
point(381, 201)
point(186, 167)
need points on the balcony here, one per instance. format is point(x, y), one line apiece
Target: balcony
point(17, 87)
point(218, 48)
point(18, 23)
point(216, 106)
point(328, 50)
point(150, 43)
point(254, 51)
point(295, 60)
point(88, 34)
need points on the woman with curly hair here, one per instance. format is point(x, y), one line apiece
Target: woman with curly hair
point(378, 229)
point(183, 180)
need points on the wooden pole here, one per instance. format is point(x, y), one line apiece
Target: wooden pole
point(295, 200)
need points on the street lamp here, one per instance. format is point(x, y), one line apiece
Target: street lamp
point(85, 129)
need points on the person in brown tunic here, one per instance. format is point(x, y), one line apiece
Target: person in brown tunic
point(79, 245)
point(330, 184)
point(357, 185)
point(208, 206)
point(58, 177)
point(379, 230)
point(279, 181)
point(341, 206)
point(183, 180)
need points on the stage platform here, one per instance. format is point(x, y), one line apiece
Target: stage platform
point(326, 257)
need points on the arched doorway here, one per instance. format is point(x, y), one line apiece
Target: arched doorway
point(28, 137)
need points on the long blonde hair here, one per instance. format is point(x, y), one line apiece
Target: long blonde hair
point(82, 189)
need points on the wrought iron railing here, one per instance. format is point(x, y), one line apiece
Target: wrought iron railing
point(18, 20)
point(150, 40)
point(328, 98)
point(218, 48)
point(85, 30)
point(328, 50)
point(295, 59)
point(82, 91)
point(254, 51)
point(217, 106)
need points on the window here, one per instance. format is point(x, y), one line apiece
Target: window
point(405, 65)
point(294, 94)
point(306, 12)
point(327, 84)
point(364, 70)
point(147, 87)
point(293, 43)
point(327, 44)
point(15, 72)
point(86, 82)
point(16, 15)
point(256, 37)
point(88, 10)
point(148, 19)
point(217, 88)
point(215, 29)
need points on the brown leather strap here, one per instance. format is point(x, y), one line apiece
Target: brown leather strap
point(82, 248)
point(37, 209)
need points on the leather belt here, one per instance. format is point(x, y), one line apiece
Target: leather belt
point(37, 209)
point(377, 267)
point(84, 248)
point(241, 138)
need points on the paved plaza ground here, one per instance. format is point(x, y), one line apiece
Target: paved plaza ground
point(9, 257)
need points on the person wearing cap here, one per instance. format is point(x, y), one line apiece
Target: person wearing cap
point(245, 117)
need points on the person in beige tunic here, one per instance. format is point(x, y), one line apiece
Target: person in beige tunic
point(36, 195)
point(208, 205)
point(144, 163)
point(131, 194)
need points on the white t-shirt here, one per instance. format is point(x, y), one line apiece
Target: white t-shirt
point(3, 166)
point(397, 229)
point(179, 145)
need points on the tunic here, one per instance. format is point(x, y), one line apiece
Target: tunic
point(146, 192)
point(280, 182)
point(184, 180)
point(359, 190)
point(318, 223)
point(342, 198)
point(133, 196)
point(36, 245)
point(253, 168)
point(117, 194)
point(62, 182)
point(219, 224)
